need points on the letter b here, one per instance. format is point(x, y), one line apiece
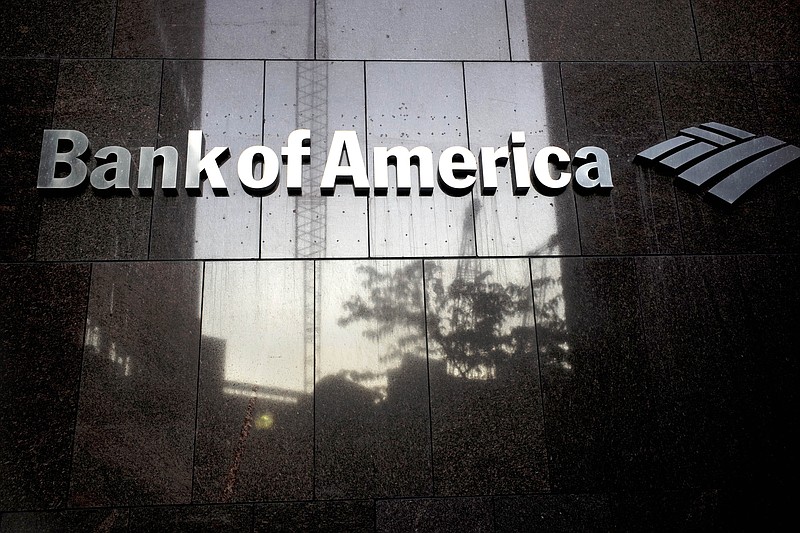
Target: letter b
point(51, 157)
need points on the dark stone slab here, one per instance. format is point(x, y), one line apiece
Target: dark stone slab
point(486, 412)
point(205, 30)
point(506, 97)
point(553, 512)
point(57, 28)
point(694, 93)
point(112, 103)
point(777, 93)
point(369, 29)
point(701, 352)
point(255, 411)
point(342, 515)
point(224, 99)
point(27, 92)
point(434, 515)
point(372, 433)
point(589, 351)
point(760, 30)
point(111, 520)
point(42, 321)
point(136, 419)
point(192, 518)
point(615, 106)
point(609, 31)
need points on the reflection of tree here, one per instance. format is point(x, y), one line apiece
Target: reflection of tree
point(467, 320)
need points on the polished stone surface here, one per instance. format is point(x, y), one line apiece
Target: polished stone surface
point(506, 97)
point(81, 28)
point(694, 93)
point(341, 515)
point(110, 520)
point(410, 104)
point(236, 29)
point(322, 96)
point(759, 30)
point(42, 321)
point(27, 92)
point(701, 355)
point(112, 103)
point(616, 106)
point(602, 31)
point(777, 92)
point(434, 515)
point(418, 29)
point(136, 417)
point(766, 218)
point(191, 518)
point(486, 414)
point(588, 331)
point(224, 100)
point(255, 409)
point(372, 433)
point(553, 512)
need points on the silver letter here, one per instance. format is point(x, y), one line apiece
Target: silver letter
point(50, 157)
point(121, 167)
point(169, 173)
point(402, 158)
point(457, 160)
point(600, 165)
point(295, 154)
point(520, 177)
point(541, 167)
point(490, 160)
point(209, 165)
point(269, 173)
point(345, 142)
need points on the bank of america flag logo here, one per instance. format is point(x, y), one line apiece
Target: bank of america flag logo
point(728, 159)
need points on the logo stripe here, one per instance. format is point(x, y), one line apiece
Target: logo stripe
point(710, 168)
point(734, 186)
point(727, 130)
point(706, 135)
point(661, 149)
point(687, 155)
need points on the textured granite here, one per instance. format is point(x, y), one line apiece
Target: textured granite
point(107, 520)
point(42, 321)
point(27, 92)
point(81, 28)
point(255, 417)
point(759, 30)
point(136, 418)
point(112, 103)
point(487, 422)
point(434, 515)
point(588, 330)
point(238, 29)
point(341, 515)
point(777, 91)
point(372, 432)
point(192, 518)
point(616, 106)
point(617, 30)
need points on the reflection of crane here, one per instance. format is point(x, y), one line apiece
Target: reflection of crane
point(311, 208)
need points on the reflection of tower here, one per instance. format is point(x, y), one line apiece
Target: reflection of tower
point(311, 208)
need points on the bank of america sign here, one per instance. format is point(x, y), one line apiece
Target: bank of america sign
point(725, 160)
